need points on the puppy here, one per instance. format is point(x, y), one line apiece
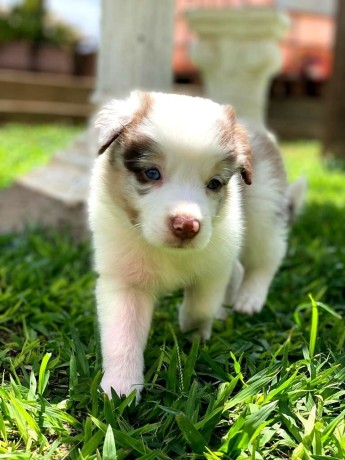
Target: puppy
point(181, 196)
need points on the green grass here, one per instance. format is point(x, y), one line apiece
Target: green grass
point(326, 183)
point(266, 387)
point(23, 147)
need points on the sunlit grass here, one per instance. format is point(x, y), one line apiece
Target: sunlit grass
point(23, 147)
point(326, 182)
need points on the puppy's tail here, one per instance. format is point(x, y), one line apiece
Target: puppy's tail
point(295, 194)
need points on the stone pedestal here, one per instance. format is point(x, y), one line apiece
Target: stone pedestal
point(237, 52)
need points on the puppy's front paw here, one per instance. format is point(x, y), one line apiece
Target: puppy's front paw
point(122, 385)
point(196, 328)
point(222, 313)
point(249, 302)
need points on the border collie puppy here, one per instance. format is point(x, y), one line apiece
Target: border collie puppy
point(181, 196)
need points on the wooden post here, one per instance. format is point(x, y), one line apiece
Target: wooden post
point(334, 135)
point(136, 47)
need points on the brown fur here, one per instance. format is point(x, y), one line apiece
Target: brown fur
point(136, 150)
point(266, 149)
point(242, 147)
point(146, 104)
point(138, 116)
point(233, 137)
point(115, 181)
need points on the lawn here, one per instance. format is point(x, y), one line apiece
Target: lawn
point(264, 387)
point(23, 147)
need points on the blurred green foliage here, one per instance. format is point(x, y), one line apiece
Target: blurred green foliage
point(24, 147)
point(29, 21)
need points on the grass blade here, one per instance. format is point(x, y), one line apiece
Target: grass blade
point(109, 448)
point(314, 326)
point(43, 375)
point(192, 436)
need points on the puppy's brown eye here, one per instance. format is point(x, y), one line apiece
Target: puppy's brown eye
point(214, 185)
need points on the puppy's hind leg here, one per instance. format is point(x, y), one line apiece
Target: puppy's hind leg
point(262, 255)
point(232, 289)
point(200, 305)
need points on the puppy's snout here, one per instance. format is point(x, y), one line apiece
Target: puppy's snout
point(184, 226)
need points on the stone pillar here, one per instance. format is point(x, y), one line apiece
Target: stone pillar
point(237, 52)
point(136, 47)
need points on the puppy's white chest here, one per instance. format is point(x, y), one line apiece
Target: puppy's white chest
point(158, 271)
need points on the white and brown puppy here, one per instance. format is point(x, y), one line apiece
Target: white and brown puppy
point(179, 195)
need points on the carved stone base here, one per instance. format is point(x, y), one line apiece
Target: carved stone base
point(237, 52)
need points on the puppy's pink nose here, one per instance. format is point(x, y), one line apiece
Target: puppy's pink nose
point(184, 226)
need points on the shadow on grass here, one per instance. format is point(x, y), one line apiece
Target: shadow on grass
point(316, 256)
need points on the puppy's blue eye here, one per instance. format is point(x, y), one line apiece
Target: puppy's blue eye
point(152, 174)
point(214, 185)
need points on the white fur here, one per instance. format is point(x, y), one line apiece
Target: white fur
point(138, 261)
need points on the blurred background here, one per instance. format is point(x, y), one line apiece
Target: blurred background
point(48, 54)
point(279, 62)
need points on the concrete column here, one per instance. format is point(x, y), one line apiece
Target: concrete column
point(237, 52)
point(136, 47)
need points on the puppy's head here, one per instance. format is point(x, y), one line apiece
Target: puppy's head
point(171, 162)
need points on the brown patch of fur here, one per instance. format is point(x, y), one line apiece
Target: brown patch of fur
point(267, 150)
point(234, 138)
point(128, 130)
point(115, 181)
point(108, 143)
point(146, 104)
point(138, 116)
point(132, 147)
point(226, 126)
point(135, 149)
point(243, 149)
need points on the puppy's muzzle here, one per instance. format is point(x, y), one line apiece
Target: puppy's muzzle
point(184, 227)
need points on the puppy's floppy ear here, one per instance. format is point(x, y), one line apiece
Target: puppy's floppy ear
point(234, 137)
point(117, 115)
point(243, 153)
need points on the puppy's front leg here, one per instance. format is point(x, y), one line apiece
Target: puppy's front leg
point(124, 315)
point(200, 304)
